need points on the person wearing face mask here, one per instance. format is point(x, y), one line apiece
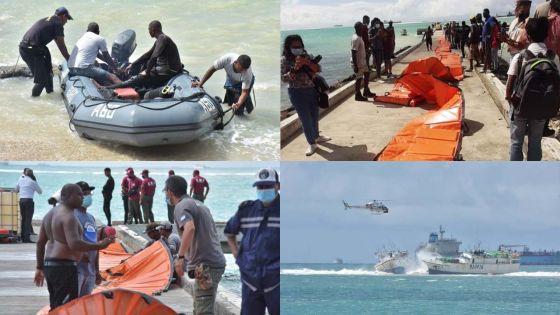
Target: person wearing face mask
point(88, 267)
point(258, 255)
point(200, 245)
point(239, 81)
point(516, 38)
point(297, 69)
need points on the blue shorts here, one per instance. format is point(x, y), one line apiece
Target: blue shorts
point(96, 73)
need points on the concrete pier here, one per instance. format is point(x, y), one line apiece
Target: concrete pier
point(360, 130)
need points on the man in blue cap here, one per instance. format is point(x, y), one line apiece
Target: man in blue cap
point(33, 48)
point(258, 256)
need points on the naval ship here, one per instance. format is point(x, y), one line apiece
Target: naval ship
point(529, 257)
point(475, 262)
point(393, 261)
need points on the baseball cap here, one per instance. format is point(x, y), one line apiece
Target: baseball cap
point(266, 176)
point(130, 171)
point(85, 186)
point(165, 226)
point(145, 172)
point(63, 11)
point(151, 227)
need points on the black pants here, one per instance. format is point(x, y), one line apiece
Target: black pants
point(463, 43)
point(27, 208)
point(170, 217)
point(107, 208)
point(149, 82)
point(62, 282)
point(125, 204)
point(38, 59)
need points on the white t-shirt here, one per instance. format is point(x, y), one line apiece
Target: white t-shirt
point(86, 49)
point(226, 62)
point(360, 48)
point(535, 48)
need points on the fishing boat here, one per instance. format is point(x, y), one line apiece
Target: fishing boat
point(475, 262)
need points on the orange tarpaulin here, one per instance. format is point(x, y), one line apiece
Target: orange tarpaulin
point(113, 302)
point(435, 135)
point(148, 271)
point(430, 65)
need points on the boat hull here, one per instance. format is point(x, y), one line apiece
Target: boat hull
point(470, 268)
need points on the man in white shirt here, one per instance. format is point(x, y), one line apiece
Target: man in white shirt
point(27, 187)
point(239, 81)
point(87, 49)
point(359, 63)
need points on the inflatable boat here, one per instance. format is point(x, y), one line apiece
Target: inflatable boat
point(121, 116)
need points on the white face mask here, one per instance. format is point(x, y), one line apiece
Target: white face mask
point(377, 25)
point(296, 51)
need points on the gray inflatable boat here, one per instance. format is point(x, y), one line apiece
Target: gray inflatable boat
point(188, 115)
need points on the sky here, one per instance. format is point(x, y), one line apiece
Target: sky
point(303, 14)
point(480, 204)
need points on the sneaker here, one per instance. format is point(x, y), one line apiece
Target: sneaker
point(322, 139)
point(549, 132)
point(311, 149)
point(360, 98)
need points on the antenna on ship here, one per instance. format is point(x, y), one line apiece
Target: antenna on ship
point(441, 231)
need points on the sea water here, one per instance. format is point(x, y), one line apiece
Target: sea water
point(228, 188)
point(334, 45)
point(202, 31)
point(359, 289)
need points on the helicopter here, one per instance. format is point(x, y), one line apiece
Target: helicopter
point(374, 206)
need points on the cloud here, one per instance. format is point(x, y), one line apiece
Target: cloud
point(297, 14)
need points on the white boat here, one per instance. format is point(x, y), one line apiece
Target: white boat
point(404, 32)
point(392, 261)
point(476, 262)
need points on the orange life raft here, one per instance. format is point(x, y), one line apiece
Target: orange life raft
point(112, 302)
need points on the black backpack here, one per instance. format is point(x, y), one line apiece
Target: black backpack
point(536, 93)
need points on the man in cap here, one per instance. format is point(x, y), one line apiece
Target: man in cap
point(61, 233)
point(147, 191)
point(199, 187)
point(202, 250)
point(107, 193)
point(27, 187)
point(124, 194)
point(88, 267)
point(258, 257)
point(172, 240)
point(33, 48)
point(170, 208)
point(134, 186)
point(239, 81)
point(153, 233)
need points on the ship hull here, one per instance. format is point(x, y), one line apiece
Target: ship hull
point(470, 268)
point(540, 259)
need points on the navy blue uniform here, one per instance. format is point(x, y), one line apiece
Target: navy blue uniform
point(258, 257)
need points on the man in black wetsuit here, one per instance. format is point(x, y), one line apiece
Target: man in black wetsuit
point(33, 48)
point(162, 62)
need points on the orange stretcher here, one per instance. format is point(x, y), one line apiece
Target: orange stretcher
point(112, 302)
point(436, 135)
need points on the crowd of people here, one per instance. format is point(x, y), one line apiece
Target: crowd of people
point(148, 74)
point(70, 239)
point(534, 41)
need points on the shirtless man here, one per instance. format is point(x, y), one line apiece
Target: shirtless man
point(62, 234)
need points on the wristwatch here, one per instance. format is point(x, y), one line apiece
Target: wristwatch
point(181, 257)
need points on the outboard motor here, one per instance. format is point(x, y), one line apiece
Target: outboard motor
point(123, 47)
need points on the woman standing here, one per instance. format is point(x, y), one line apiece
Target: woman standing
point(298, 69)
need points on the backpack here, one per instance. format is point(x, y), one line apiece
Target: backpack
point(536, 93)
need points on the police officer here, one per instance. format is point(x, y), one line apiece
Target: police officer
point(33, 48)
point(258, 256)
